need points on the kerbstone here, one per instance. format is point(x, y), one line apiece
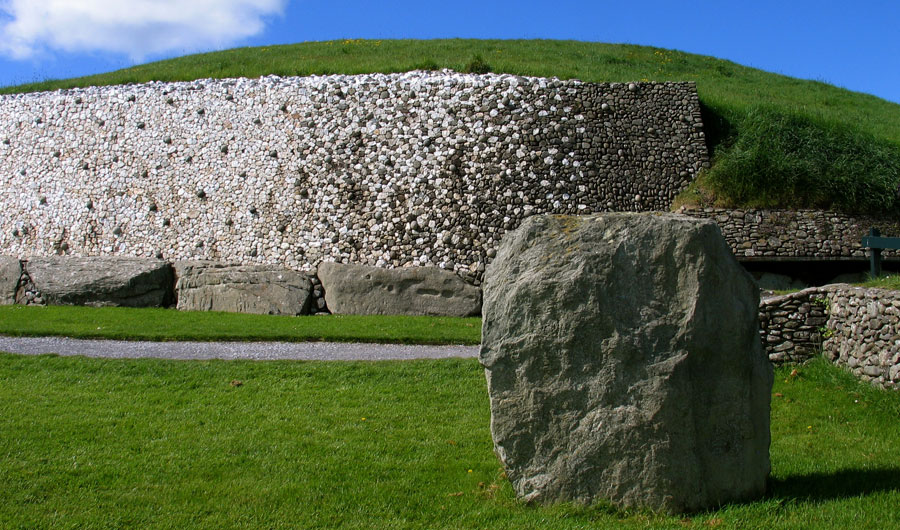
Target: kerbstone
point(363, 290)
point(10, 272)
point(623, 363)
point(259, 289)
point(102, 281)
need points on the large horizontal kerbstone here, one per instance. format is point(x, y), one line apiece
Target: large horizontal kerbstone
point(260, 289)
point(362, 290)
point(102, 281)
point(624, 364)
point(10, 272)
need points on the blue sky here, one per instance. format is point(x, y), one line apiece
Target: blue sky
point(856, 46)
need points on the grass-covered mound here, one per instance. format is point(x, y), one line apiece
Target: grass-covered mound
point(776, 141)
point(98, 443)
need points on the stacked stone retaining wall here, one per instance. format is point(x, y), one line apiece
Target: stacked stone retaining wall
point(855, 327)
point(385, 170)
point(791, 326)
point(801, 234)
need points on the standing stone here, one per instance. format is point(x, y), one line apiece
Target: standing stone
point(623, 363)
point(259, 289)
point(10, 272)
point(362, 290)
point(102, 281)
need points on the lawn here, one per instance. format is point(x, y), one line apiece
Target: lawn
point(777, 141)
point(94, 443)
point(169, 324)
point(889, 281)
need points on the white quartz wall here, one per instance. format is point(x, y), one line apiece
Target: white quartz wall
point(386, 170)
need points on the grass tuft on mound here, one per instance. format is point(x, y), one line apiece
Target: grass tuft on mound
point(777, 141)
point(778, 158)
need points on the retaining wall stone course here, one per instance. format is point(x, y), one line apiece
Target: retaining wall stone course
point(804, 234)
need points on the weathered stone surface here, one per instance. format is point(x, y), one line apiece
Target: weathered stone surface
point(362, 290)
point(10, 272)
point(260, 289)
point(102, 281)
point(623, 363)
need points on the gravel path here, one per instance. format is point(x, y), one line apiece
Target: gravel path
point(257, 351)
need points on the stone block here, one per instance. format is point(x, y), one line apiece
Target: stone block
point(259, 289)
point(363, 290)
point(10, 272)
point(102, 281)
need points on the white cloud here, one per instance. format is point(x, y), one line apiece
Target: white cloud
point(137, 28)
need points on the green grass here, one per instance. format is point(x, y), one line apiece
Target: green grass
point(777, 141)
point(890, 281)
point(93, 443)
point(169, 324)
point(790, 159)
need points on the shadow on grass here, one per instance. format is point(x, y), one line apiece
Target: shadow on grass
point(838, 485)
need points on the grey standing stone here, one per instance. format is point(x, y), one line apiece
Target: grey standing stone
point(102, 281)
point(10, 272)
point(260, 289)
point(363, 290)
point(623, 363)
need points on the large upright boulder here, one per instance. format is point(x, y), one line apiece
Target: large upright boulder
point(259, 289)
point(624, 363)
point(10, 273)
point(102, 281)
point(363, 290)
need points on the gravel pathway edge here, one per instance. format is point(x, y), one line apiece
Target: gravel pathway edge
point(255, 351)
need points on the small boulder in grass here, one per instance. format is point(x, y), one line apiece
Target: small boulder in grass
point(624, 363)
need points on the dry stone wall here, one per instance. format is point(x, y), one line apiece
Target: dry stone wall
point(801, 234)
point(854, 327)
point(385, 170)
point(791, 325)
point(863, 333)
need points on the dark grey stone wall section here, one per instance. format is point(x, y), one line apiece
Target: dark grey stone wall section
point(805, 234)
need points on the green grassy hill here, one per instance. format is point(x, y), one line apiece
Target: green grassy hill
point(776, 141)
